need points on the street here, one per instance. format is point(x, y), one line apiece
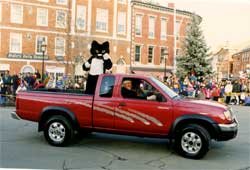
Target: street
point(23, 147)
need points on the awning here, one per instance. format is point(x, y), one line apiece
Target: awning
point(54, 69)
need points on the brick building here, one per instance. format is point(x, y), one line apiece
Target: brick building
point(241, 63)
point(139, 34)
point(224, 63)
point(157, 34)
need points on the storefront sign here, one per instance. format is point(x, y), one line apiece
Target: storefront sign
point(27, 56)
point(4, 67)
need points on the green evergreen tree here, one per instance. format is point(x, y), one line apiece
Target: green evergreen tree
point(193, 58)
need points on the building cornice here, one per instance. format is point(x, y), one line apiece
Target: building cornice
point(163, 8)
point(242, 51)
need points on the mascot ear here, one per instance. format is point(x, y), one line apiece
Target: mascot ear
point(106, 46)
point(94, 46)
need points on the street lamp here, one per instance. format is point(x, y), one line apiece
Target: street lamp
point(165, 54)
point(43, 48)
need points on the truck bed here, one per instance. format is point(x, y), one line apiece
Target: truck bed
point(30, 104)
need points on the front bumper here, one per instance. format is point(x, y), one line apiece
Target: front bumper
point(227, 131)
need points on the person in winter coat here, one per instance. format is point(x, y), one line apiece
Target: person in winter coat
point(247, 100)
point(228, 91)
point(236, 91)
point(216, 92)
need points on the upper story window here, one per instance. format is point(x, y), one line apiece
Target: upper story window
point(107, 86)
point(15, 43)
point(16, 14)
point(137, 53)
point(61, 19)
point(177, 29)
point(81, 17)
point(150, 54)
point(59, 46)
point(138, 25)
point(42, 17)
point(39, 41)
point(101, 20)
point(121, 23)
point(163, 29)
point(61, 2)
point(151, 26)
point(122, 1)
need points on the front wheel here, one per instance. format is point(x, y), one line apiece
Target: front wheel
point(58, 131)
point(193, 141)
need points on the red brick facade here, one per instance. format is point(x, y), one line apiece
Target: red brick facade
point(158, 12)
point(78, 41)
point(241, 63)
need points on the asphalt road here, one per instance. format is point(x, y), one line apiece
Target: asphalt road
point(23, 147)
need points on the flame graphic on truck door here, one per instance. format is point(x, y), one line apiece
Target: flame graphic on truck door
point(129, 115)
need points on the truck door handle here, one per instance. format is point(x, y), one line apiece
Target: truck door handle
point(122, 104)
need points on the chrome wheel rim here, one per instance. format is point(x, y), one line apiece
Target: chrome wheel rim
point(57, 132)
point(191, 143)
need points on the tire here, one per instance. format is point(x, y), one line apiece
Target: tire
point(193, 141)
point(58, 131)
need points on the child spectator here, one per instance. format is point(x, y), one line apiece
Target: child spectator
point(216, 92)
point(247, 100)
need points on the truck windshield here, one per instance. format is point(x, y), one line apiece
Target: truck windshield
point(165, 88)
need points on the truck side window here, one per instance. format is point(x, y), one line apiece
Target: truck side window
point(138, 89)
point(107, 86)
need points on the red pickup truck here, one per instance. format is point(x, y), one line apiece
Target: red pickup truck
point(151, 109)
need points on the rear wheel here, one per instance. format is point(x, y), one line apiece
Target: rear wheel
point(58, 131)
point(193, 141)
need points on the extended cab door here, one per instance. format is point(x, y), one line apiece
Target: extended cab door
point(147, 113)
point(104, 105)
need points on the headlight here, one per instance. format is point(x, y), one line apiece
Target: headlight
point(228, 115)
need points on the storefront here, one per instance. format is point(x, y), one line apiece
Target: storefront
point(55, 71)
point(28, 69)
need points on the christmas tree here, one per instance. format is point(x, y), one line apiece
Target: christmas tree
point(193, 59)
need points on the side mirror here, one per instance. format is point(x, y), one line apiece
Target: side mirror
point(160, 98)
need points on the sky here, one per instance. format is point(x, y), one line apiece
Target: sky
point(224, 21)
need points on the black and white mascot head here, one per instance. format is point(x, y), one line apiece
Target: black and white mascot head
point(97, 64)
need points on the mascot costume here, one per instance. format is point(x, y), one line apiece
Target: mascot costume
point(97, 64)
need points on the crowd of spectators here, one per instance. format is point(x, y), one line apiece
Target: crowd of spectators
point(12, 84)
point(235, 92)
